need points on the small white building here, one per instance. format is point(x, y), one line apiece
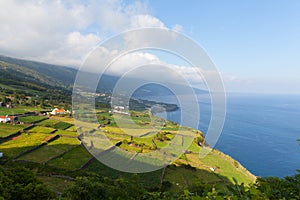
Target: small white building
point(1, 154)
point(4, 119)
point(119, 110)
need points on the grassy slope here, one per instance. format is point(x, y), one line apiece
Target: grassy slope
point(9, 129)
point(66, 154)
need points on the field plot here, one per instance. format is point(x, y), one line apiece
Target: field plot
point(14, 111)
point(65, 132)
point(30, 119)
point(181, 176)
point(62, 125)
point(224, 166)
point(63, 119)
point(51, 150)
point(150, 179)
point(55, 123)
point(40, 129)
point(72, 160)
point(21, 143)
point(48, 122)
point(9, 129)
point(72, 128)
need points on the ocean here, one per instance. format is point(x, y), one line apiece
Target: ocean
point(260, 131)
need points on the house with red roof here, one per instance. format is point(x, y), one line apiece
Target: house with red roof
point(57, 111)
point(5, 119)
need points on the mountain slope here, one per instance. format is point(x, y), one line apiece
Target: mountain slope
point(57, 74)
point(49, 75)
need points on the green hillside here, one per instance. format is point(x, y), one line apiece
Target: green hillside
point(62, 154)
point(51, 148)
point(54, 75)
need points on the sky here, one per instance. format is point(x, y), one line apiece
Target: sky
point(254, 44)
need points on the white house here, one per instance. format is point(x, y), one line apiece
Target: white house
point(57, 111)
point(4, 119)
point(120, 110)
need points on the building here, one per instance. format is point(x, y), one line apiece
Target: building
point(57, 111)
point(119, 110)
point(5, 119)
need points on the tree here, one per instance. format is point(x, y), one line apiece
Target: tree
point(21, 183)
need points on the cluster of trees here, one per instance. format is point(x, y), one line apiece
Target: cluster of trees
point(264, 188)
point(42, 100)
point(21, 183)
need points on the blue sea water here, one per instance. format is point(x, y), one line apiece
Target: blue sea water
point(260, 131)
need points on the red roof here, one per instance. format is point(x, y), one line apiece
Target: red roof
point(5, 117)
point(58, 111)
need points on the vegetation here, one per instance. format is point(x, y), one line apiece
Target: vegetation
point(9, 129)
point(71, 160)
point(51, 150)
point(40, 129)
point(22, 143)
point(47, 160)
point(30, 119)
point(62, 125)
point(21, 183)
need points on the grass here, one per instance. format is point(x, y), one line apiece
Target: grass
point(66, 132)
point(69, 120)
point(226, 166)
point(21, 143)
point(14, 111)
point(181, 177)
point(48, 122)
point(150, 179)
point(30, 119)
point(51, 150)
point(62, 125)
point(9, 129)
point(72, 128)
point(41, 129)
point(72, 160)
point(55, 123)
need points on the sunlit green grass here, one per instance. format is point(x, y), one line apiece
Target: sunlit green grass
point(21, 143)
point(41, 129)
point(51, 150)
point(48, 122)
point(30, 119)
point(72, 160)
point(9, 129)
point(66, 132)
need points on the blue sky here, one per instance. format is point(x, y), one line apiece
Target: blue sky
point(254, 44)
point(255, 41)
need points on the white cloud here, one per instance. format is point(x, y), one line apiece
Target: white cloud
point(64, 32)
point(138, 21)
point(147, 66)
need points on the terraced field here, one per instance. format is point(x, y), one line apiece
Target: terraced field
point(31, 119)
point(9, 129)
point(51, 150)
point(71, 160)
point(22, 143)
point(65, 154)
